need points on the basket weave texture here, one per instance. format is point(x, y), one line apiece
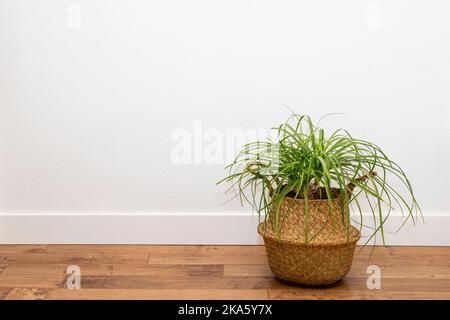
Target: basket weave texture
point(320, 253)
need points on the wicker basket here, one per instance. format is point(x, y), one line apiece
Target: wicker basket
point(327, 255)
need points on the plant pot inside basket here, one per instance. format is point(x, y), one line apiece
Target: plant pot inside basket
point(314, 251)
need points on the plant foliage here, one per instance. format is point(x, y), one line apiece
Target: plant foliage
point(305, 163)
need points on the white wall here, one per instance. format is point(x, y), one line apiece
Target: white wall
point(92, 91)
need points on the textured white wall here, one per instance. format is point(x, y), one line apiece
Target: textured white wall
point(92, 92)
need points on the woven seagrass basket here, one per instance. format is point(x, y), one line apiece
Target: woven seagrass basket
point(327, 255)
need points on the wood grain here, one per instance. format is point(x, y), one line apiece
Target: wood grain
point(93, 269)
point(355, 294)
point(4, 292)
point(209, 272)
point(19, 248)
point(205, 282)
point(31, 280)
point(68, 258)
point(136, 294)
point(202, 258)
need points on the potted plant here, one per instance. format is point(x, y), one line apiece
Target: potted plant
point(311, 190)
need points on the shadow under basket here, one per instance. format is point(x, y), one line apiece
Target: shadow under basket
point(325, 259)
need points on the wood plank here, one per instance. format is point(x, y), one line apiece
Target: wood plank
point(404, 250)
point(245, 270)
point(146, 282)
point(147, 249)
point(4, 292)
point(99, 249)
point(27, 294)
point(394, 284)
point(72, 258)
point(93, 269)
point(403, 271)
point(427, 257)
point(20, 248)
point(418, 261)
point(380, 252)
point(166, 258)
point(288, 294)
point(33, 280)
point(423, 259)
point(205, 249)
point(187, 249)
point(358, 270)
point(35, 269)
point(137, 294)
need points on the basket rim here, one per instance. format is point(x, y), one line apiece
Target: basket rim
point(312, 200)
point(335, 199)
point(337, 243)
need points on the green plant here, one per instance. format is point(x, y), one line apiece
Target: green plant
point(305, 163)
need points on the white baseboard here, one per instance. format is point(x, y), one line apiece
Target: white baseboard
point(182, 228)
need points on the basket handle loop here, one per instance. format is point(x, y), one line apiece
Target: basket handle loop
point(351, 186)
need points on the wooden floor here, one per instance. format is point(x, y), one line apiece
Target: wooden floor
point(208, 272)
